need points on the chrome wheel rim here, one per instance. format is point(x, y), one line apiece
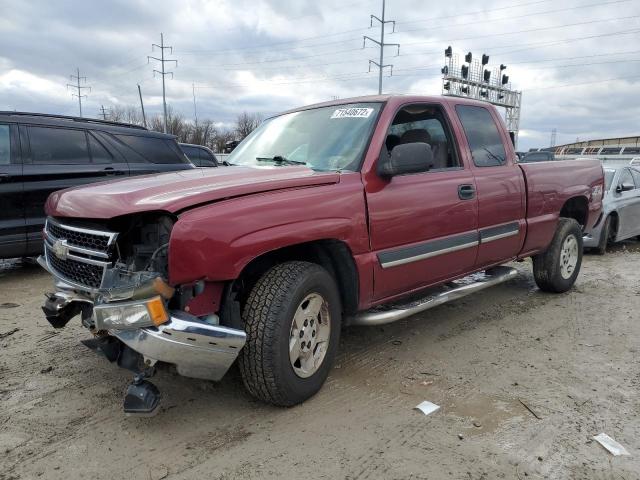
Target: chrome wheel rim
point(568, 256)
point(309, 336)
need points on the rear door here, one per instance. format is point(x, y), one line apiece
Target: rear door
point(12, 221)
point(500, 185)
point(58, 158)
point(423, 226)
point(149, 154)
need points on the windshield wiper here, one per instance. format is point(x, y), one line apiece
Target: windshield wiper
point(280, 159)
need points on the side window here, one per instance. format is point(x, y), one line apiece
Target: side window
point(626, 177)
point(99, 154)
point(636, 176)
point(58, 146)
point(5, 145)
point(193, 153)
point(424, 124)
point(482, 135)
point(153, 149)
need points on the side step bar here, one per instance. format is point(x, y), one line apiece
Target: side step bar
point(451, 291)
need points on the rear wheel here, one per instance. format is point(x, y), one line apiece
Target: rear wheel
point(605, 237)
point(292, 321)
point(556, 269)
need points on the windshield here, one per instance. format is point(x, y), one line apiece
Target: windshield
point(326, 138)
point(608, 178)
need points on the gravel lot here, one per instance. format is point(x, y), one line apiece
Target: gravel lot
point(572, 359)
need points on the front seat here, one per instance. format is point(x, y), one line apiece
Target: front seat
point(438, 149)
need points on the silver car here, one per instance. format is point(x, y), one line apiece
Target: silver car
point(620, 208)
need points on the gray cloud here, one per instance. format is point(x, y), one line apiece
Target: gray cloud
point(267, 56)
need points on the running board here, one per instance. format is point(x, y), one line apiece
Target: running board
point(451, 291)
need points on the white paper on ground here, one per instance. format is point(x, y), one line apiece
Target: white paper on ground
point(427, 407)
point(610, 444)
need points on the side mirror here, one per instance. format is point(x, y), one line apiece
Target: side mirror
point(625, 187)
point(406, 158)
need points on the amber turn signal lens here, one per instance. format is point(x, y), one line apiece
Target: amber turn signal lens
point(157, 312)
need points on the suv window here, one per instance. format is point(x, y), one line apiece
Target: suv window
point(426, 124)
point(58, 146)
point(482, 135)
point(99, 154)
point(199, 156)
point(5, 145)
point(153, 149)
point(537, 157)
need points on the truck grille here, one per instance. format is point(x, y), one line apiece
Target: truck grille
point(77, 255)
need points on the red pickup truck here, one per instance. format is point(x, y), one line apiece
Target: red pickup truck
point(330, 214)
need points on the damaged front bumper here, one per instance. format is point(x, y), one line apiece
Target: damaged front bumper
point(198, 349)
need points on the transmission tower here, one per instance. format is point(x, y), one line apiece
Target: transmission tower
point(554, 134)
point(381, 66)
point(79, 88)
point(162, 72)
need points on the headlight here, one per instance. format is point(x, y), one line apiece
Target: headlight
point(130, 315)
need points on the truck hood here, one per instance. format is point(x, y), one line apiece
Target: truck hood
point(179, 190)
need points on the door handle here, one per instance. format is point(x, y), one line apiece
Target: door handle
point(466, 192)
point(111, 171)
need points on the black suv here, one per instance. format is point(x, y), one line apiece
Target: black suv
point(40, 154)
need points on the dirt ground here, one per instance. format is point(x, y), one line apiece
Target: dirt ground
point(572, 359)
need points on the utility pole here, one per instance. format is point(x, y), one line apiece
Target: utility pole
point(103, 113)
point(144, 117)
point(381, 66)
point(77, 86)
point(195, 110)
point(162, 72)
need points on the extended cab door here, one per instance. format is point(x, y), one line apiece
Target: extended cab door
point(499, 182)
point(12, 223)
point(423, 226)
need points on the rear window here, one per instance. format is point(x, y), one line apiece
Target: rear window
point(610, 151)
point(537, 157)
point(631, 150)
point(58, 146)
point(482, 135)
point(153, 149)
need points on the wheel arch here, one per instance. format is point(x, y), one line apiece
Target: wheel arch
point(332, 254)
point(576, 208)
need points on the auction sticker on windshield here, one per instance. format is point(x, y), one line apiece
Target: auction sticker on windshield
point(352, 113)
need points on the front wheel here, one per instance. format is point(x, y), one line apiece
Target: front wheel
point(556, 269)
point(292, 320)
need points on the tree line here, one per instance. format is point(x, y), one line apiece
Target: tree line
point(200, 132)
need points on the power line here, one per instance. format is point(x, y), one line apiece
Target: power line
point(511, 18)
point(79, 88)
point(162, 72)
point(381, 45)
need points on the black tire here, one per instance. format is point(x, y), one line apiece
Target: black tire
point(605, 237)
point(264, 361)
point(547, 265)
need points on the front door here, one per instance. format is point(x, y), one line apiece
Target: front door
point(423, 226)
point(12, 222)
point(628, 205)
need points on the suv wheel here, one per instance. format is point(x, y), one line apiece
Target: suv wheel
point(556, 269)
point(292, 318)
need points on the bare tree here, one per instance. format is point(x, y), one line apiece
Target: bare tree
point(247, 123)
point(128, 114)
point(221, 139)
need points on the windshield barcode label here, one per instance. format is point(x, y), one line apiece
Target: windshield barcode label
point(352, 113)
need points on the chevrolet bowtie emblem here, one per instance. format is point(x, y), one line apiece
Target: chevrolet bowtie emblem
point(60, 249)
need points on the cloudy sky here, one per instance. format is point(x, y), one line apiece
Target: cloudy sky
point(576, 61)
